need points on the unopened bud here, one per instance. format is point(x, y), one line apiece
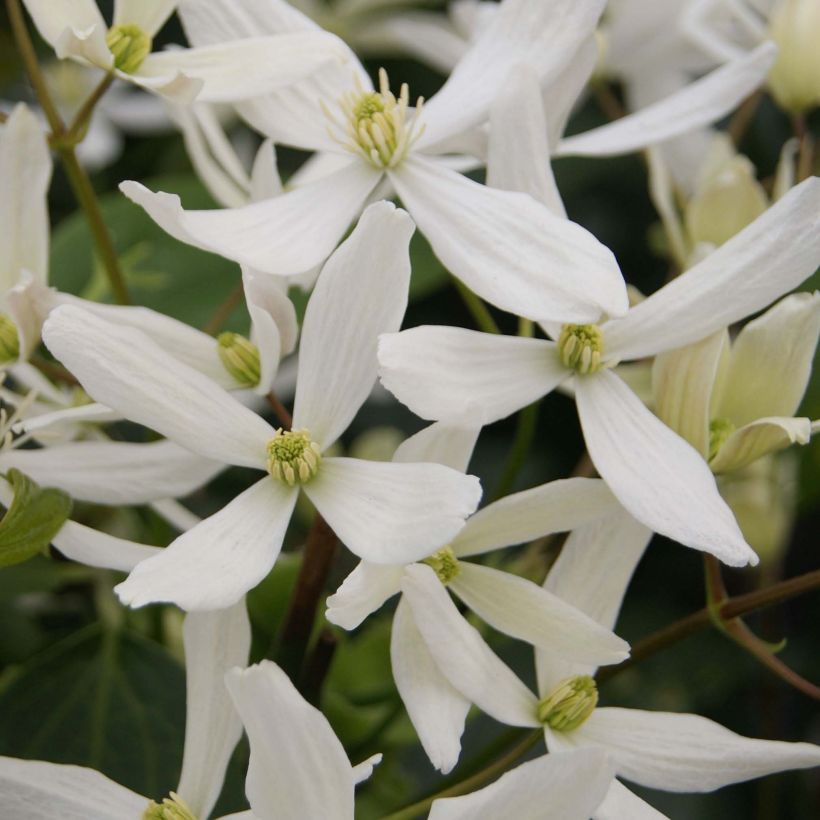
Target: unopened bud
point(795, 79)
point(240, 356)
point(569, 704)
point(9, 340)
point(130, 45)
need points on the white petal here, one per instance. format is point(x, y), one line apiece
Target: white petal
point(620, 803)
point(758, 438)
point(461, 653)
point(700, 103)
point(558, 506)
point(109, 472)
point(65, 420)
point(362, 592)
point(510, 249)
point(176, 514)
point(219, 20)
point(655, 474)
point(523, 610)
point(390, 513)
point(518, 152)
point(687, 753)
point(440, 443)
point(682, 382)
point(466, 377)
point(36, 790)
point(771, 361)
point(123, 369)
point(436, 710)
point(265, 179)
point(149, 15)
point(25, 168)
point(566, 786)
point(88, 46)
point(544, 35)
point(298, 768)
point(52, 19)
point(241, 69)
point(362, 292)
point(213, 565)
point(215, 642)
point(768, 258)
point(286, 235)
point(98, 549)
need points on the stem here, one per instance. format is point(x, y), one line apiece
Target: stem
point(224, 311)
point(55, 372)
point(281, 411)
point(805, 156)
point(478, 310)
point(469, 784)
point(77, 128)
point(317, 666)
point(608, 102)
point(741, 121)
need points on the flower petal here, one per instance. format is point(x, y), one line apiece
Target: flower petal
point(35, 790)
point(214, 564)
point(390, 513)
point(466, 377)
point(435, 708)
point(149, 15)
point(53, 19)
point(757, 439)
point(286, 235)
point(298, 768)
point(461, 654)
point(620, 803)
point(440, 443)
point(510, 249)
point(768, 258)
point(362, 292)
point(362, 592)
point(523, 610)
point(698, 104)
point(655, 474)
point(215, 642)
point(771, 361)
point(558, 506)
point(687, 753)
point(125, 370)
point(566, 786)
point(98, 549)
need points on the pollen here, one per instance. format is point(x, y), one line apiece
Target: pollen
point(444, 564)
point(293, 457)
point(172, 807)
point(581, 347)
point(569, 704)
point(130, 45)
point(719, 430)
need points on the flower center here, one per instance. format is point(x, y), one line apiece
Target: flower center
point(569, 704)
point(444, 564)
point(9, 340)
point(240, 356)
point(172, 808)
point(130, 45)
point(719, 431)
point(580, 347)
point(375, 124)
point(293, 457)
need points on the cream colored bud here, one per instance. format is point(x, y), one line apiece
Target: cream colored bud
point(240, 356)
point(795, 79)
point(9, 340)
point(444, 564)
point(171, 808)
point(569, 704)
point(130, 45)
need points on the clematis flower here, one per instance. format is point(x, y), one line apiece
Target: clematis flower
point(673, 752)
point(225, 72)
point(508, 603)
point(508, 249)
point(385, 513)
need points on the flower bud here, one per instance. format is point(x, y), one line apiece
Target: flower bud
point(569, 704)
point(795, 79)
point(240, 356)
point(130, 45)
point(9, 340)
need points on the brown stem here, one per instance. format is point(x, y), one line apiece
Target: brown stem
point(281, 411)
point(743, 117)
point(77, 128)
point(317, 666)
point(53, 370)
point(222, 313)
point(805, 156)
point(608, 102)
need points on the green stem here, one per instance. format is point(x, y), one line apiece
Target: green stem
point(76, 131)
point(478, 310)
point(524, 435)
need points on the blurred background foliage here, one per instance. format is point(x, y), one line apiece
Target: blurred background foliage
point(84, 681)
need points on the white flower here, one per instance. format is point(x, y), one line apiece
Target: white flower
point(221, 73)
point(386, 513)
point(505, 247)
point(510, 604)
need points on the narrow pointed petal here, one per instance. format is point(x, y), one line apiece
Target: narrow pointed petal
point(465, 377)
point(682, 383)
point(620, 803)
point(286, 235)
point(518, 151)
point(440, 443)
point(509, 249)
point(215, 642)
point(362, 592)
point(768, 258)
point(390, 513)
point(98, 549)
point(149, 15)
point(109, 472)
point(757, 439)
point(213, 565)
point(461, 654)
point(524, 610)
point(771, 361)
point(123, 369)
point(36, 790)
point(700, 103)
point(436, 710)
point(87, 46)
point(567, 786)
point(298, 768)
point(52, 19)
point(25, 168)
point(65, 418)
point(362, 771)
point(687, 753)
point(655, 474)
point(558, 506)
point(362, 292)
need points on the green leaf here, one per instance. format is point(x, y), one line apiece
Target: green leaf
point(33, 519)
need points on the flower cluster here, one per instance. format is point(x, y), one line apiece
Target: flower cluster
point(683, 403)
